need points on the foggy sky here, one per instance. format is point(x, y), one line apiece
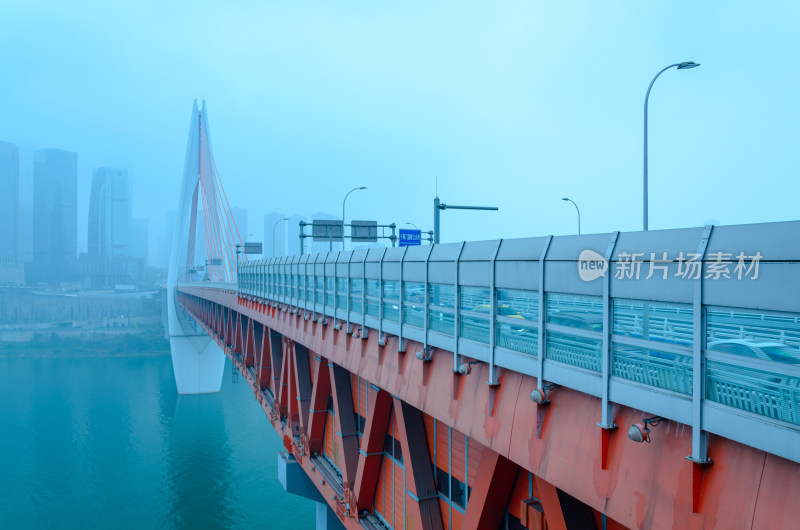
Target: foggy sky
point(509, 104)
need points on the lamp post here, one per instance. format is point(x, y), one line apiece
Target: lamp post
point(578, 210)
point(681, 66)
point(273, 234)
point(412, 224)
point(343, 203)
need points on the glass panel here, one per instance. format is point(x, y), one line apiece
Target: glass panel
point(474, 328)
point(653, 368)
point(475, 299)
point(443, 482)
point(355, 286)
point(341, 285)
point(391, 290)
point(414, 306)
point(441, 321)
point(414, 315)
point(414, 292)
point(518, 304)
point(373, 288)
point(329, 283)
point(391, 311)
point(457, 492)
point(523, 339)
point(582, 312)
point(766, 336)
point(442, 295)
point(341, 301)
point(765, 393)
point(318, 295)
point(355, 294)
point(577, 351)
point(372, 308)
point(398, 451)
point(355, 304)
point(655, 321)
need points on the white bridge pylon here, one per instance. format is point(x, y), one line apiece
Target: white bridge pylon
point(197, 360)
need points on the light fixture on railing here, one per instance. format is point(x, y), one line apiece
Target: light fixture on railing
point(466, 368)
point(539, 395)
point(424, 354)
point(640, 432)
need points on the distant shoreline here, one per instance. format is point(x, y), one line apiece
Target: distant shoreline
point(149, 342)
point(77, 355)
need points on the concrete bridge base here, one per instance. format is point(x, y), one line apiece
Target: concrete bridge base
point(198, 363)
point(295, 481)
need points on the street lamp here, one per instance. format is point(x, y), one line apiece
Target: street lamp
point(681, 66)
point(273, 234)
point(579, 212)
point(343, 203)
point(412, 224)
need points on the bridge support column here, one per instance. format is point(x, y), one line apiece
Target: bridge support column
point(198, 363)
point(294, 480)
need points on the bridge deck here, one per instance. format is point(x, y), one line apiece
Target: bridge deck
point(712, 345)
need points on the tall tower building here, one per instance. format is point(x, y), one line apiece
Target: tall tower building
point(322, 246)
point(140, 239)
point(293, 241)
point(55, 215)
point(274, 235)
point(110, 213)
point(9, 201)
point(240, 218)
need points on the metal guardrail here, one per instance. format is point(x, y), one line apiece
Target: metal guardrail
point(649, 334)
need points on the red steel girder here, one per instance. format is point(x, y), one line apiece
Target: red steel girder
point(302, 379)
point(490, 493)
point(423, 510)
point(345, 421)
point(319, 406)
point(371, 452)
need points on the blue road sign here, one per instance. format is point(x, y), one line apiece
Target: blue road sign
point(409, 238)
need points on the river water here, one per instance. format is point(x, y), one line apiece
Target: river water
point(106, 442)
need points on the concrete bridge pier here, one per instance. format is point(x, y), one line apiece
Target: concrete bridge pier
point(198, 363)
point(295, 481)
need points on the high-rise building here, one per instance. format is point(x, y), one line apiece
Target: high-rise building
point(25, 234)
point(240, 218)
point(274, 235)
point(293, 240)
point(112, 260)
point(9, 201)
point(140, 240)
point(55, 216)
point(110, 213)
point(165, 238)
point(323, 246)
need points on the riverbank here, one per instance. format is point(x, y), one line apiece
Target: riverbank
point(145, 341)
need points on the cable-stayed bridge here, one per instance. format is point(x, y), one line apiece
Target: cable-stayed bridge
point(619, 380)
